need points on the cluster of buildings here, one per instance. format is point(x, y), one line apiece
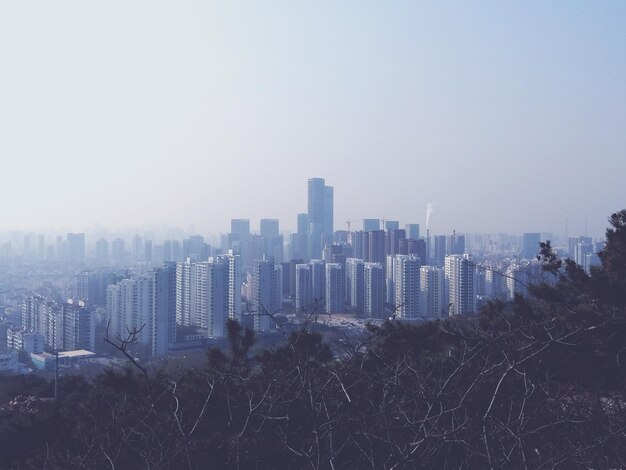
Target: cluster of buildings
point(154, 289)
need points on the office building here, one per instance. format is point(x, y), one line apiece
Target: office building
point(371, 224)
point(392, 225)
point(412, 231)
point(320, 215)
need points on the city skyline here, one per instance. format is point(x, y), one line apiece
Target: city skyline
point(507, 117)
point(258, 226)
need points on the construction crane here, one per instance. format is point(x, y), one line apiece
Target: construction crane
point(348, 222)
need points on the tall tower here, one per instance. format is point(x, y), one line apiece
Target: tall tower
point(320, 211)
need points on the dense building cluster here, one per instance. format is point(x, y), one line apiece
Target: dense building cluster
point(157, 288)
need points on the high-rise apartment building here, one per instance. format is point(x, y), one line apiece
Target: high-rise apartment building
point(163, 320)
point(460, 274)
point(355, 284)
point(235, 278)
point(266, 298)
point(373, 290)
point(376, 246)
point(334, 290)
point(393, 239)
point(433, 292)
point(407, 284)
point(183, 293)
point(210, 295)
point(318, 284)
point(303, 288)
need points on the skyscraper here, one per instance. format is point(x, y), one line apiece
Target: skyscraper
point(320, 212)
point(303, 224)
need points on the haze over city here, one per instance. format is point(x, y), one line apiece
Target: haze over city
point(506, 117)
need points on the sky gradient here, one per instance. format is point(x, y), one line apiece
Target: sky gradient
point(506, 116)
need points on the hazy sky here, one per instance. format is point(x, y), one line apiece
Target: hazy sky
point(507, 116)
